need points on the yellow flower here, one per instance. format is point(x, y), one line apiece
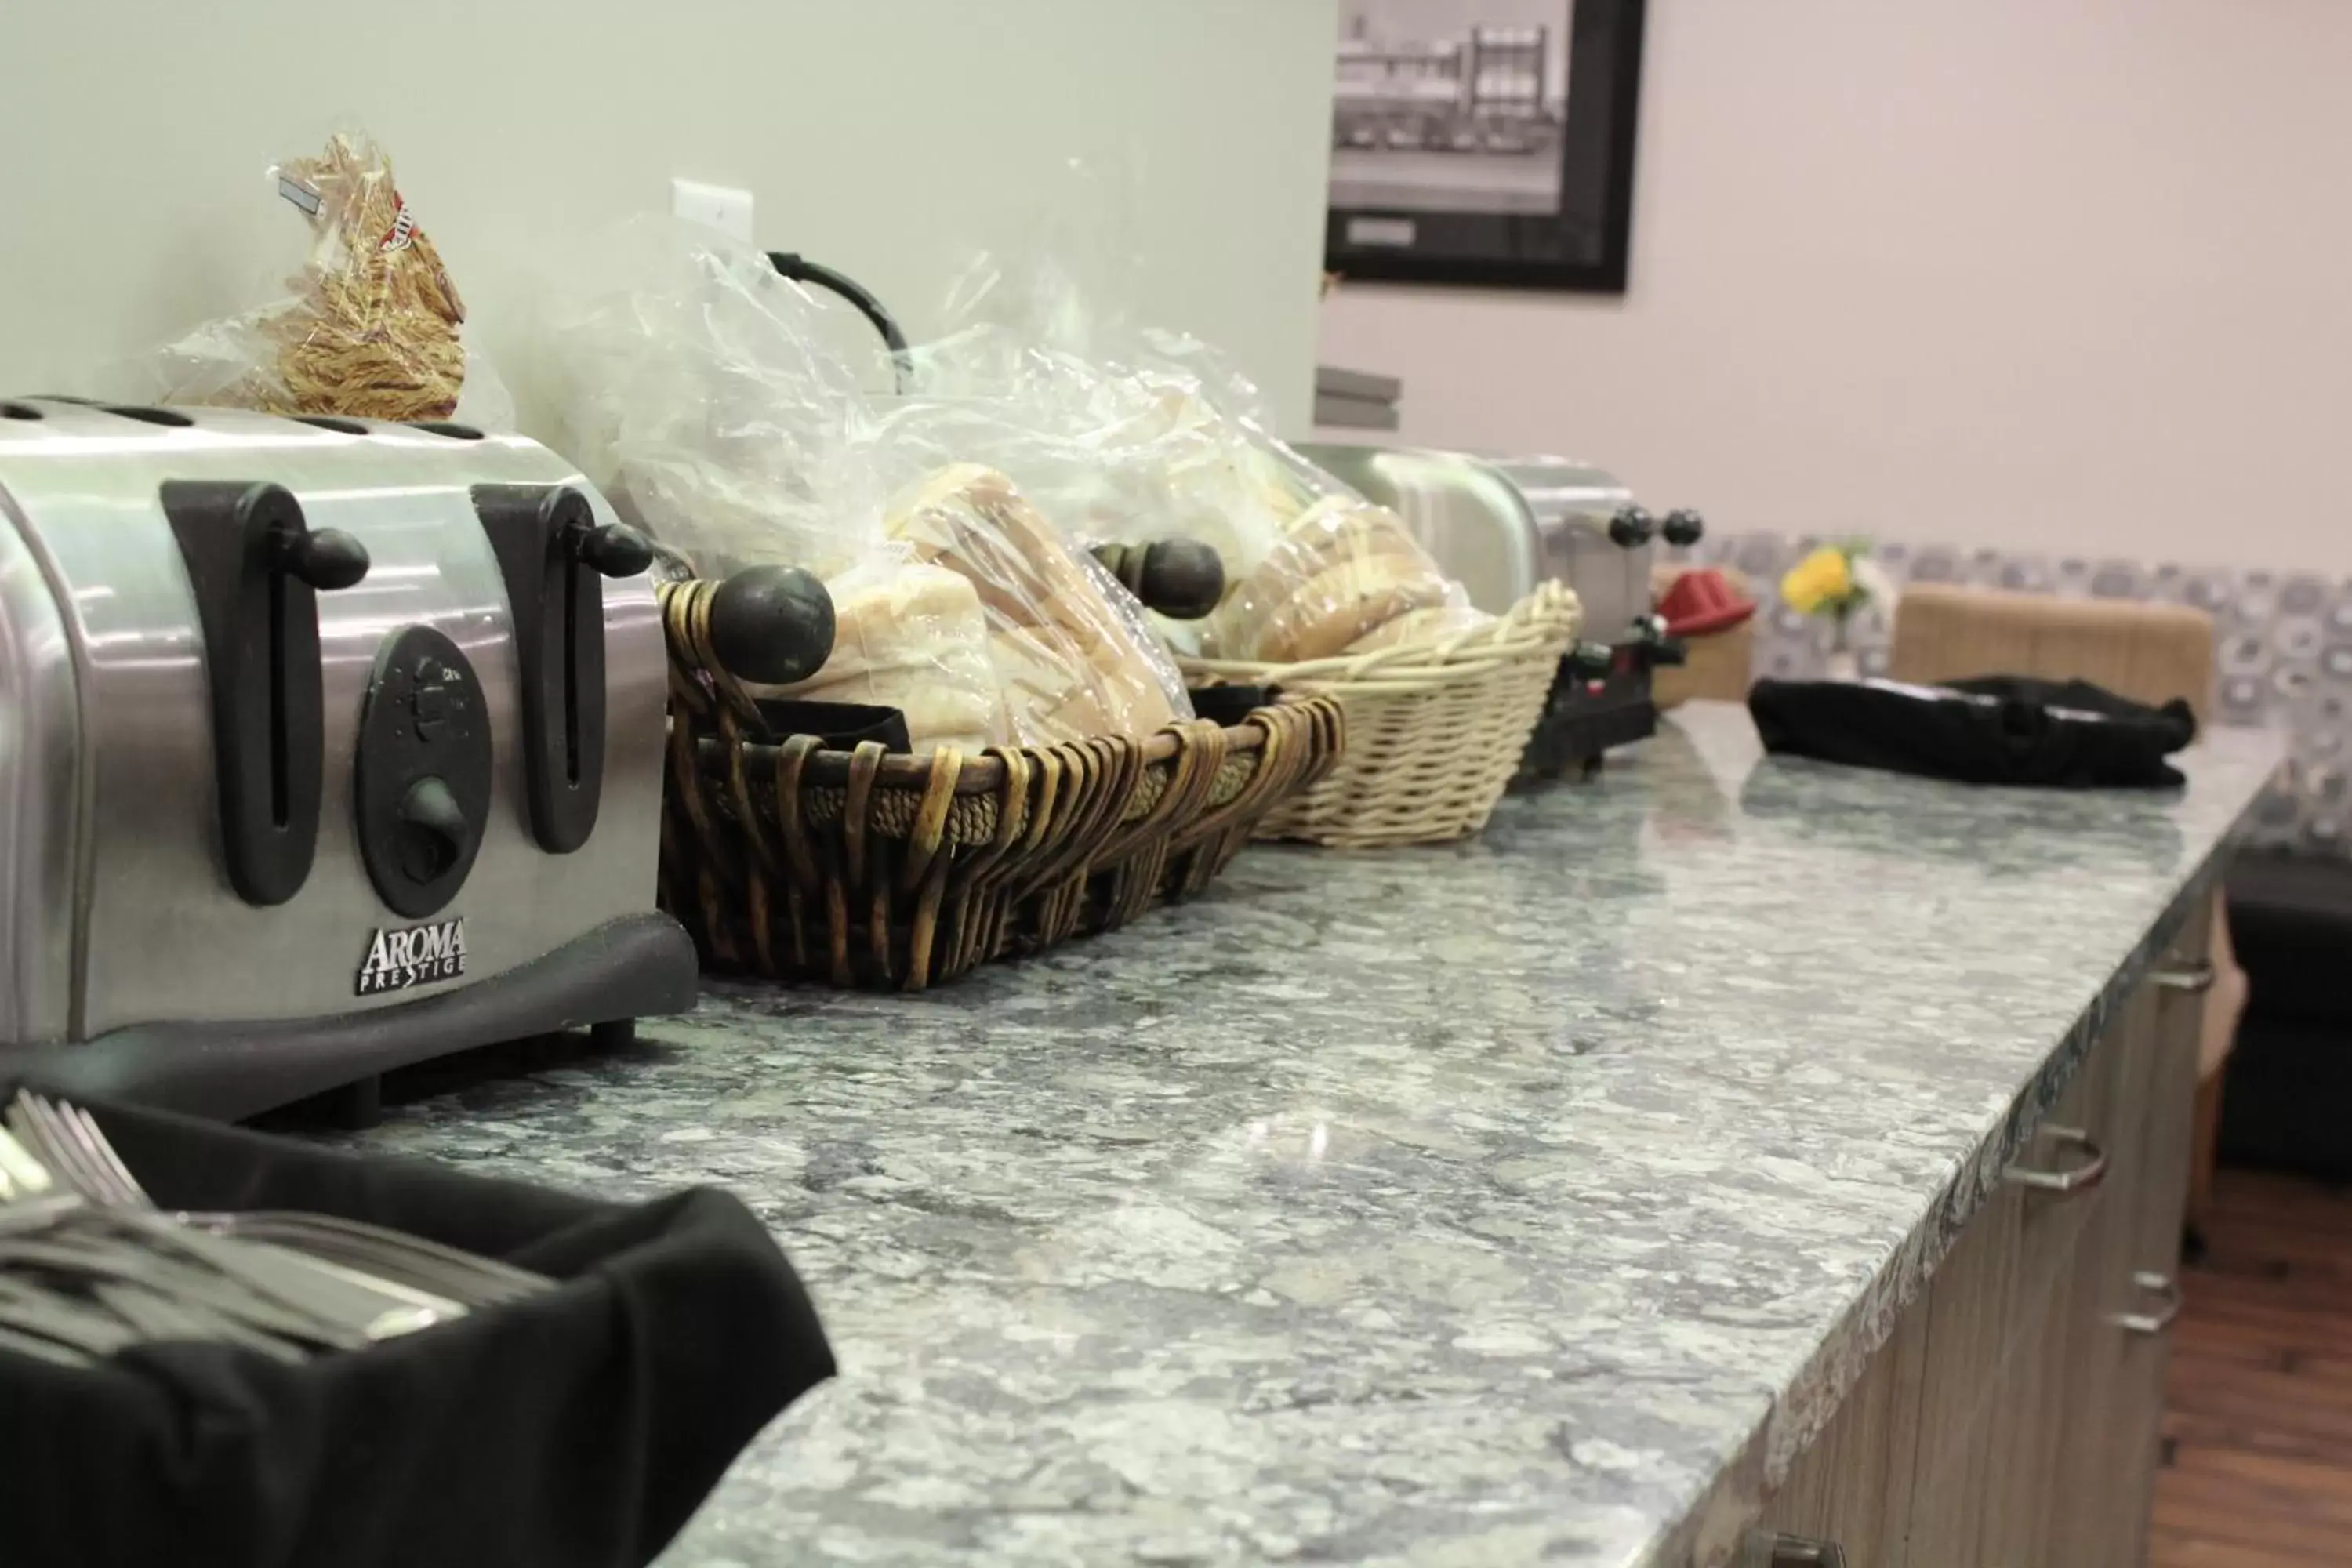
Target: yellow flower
point(1820, 581)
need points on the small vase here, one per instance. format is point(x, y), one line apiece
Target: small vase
point(1841, 662)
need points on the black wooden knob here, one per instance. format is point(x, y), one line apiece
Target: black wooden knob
point(1682, 528)
point(772, 625)
point(1180, 578)
point(325, 558)
point(1630, 528)
point(614, 551)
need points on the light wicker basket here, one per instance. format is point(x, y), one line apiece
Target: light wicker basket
point(1434, 729)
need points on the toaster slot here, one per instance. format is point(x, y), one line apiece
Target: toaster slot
point(255, 568)
point(555, 555)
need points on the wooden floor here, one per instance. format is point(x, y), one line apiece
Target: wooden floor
point(2258, 1420)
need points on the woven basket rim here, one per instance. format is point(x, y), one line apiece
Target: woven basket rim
point(982, 774)
point(1421, 665)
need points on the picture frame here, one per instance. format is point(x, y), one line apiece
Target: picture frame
point(1486, 143)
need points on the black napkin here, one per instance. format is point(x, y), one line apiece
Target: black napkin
point(578, 1428)
point(1994, 728)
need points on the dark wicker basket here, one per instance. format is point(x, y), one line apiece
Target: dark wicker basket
point(869, 868)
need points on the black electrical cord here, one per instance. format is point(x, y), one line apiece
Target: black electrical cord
point(801, 270)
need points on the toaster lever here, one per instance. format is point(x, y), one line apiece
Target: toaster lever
point(1682, 528)
point(255, 566)
point(325, 558)
point(1631, 528)
point(553, 554)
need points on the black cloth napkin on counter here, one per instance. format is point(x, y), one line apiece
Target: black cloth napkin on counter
point(578, 1428)
point(1992, 729)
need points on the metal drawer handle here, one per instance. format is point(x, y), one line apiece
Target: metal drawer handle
point(2193, 978)
point(1768, 1549)
point(2079, 1179)
point(2165, 1287)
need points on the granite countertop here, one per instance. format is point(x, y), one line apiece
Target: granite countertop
point(1528, 1200)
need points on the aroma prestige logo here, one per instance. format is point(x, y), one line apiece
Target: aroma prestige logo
point(398, 958)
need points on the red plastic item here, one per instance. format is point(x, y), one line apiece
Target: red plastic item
point(1701, 603)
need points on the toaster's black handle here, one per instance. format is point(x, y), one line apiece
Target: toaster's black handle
point(256, 568)
point(1682, 528)
point(1630, 527)
point(1180, 578)
point(554, 556)
point(325, 558)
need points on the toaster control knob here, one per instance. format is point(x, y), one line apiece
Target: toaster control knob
point(325, 558)
point(434, 833)
point(613, 550)
point(1682, 528)
point(772, 624)
point(421, 774)
point(1631, 528)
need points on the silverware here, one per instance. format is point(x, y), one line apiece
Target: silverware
point(68, 1138)
point(89, 1266)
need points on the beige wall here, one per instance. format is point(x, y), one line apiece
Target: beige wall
point(883, 136)
point(2065, 274)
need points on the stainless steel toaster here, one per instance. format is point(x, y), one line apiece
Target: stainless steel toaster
point(326, 746)
point(1502, 524)
point(1592, 536)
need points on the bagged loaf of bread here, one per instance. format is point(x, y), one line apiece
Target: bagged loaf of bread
point(694, 387)
point(1427, 627)
point(371, 329)
point(911, 637)
point(1124, 434)
point(1068, 644)
point(1342, 570)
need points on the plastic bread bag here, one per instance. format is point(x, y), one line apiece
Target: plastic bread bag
point(371, 329)
point(691, 385)
point(696, 386)
point(1071, 653)
point(1129, 434)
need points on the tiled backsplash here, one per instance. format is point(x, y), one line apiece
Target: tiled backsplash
point(2282, 641)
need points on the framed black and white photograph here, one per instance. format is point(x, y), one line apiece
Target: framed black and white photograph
point(1484, 142)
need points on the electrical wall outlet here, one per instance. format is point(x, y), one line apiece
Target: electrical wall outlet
point(723, 207)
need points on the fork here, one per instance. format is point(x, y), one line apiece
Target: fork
point(70, 1141)
point(276, 1289)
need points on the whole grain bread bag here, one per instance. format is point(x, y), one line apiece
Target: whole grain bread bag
point(370, 329)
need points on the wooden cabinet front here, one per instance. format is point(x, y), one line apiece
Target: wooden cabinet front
point(2012, 1419)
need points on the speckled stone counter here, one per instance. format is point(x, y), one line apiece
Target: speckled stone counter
point(1524, 1201)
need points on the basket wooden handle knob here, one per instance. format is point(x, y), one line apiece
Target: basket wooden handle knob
point(1180, 578)
point(772, 625)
